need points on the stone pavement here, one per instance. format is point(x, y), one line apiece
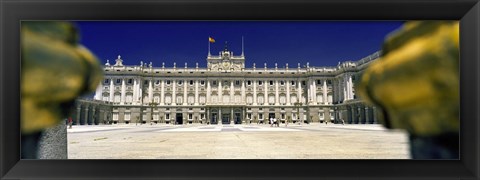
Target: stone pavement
point(306, 141)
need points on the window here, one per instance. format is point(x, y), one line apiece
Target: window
point(249, 82)
point(237, 82)
point(145, 82)
point(180, 82)
point(106, 97)
point(260, 99)
point(118, 81)
point(260, 116)
point(329, 82)
point(155, 116)
point(202, 82)
point(271, 99)
point(214, 82)
point(249, 116)
point(129, 98)
point(249, 99)
point(190, 116)
point(115, 116)
point(167, 109)
point(167, 116)
point(106, 81)
point(191, 82)
point(303, 83)
point(168, 81)
point(191, 100)
point(202, 116)
point(271, 83)
point(283, 116)
point(321, 115)
point(319, 82)
point(282, 83)
point(260, 109)
point(157, 82)
point(293, 83)
point(127, 116)
point(130, 81)
point(260, 82)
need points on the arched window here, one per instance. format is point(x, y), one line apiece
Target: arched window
point(249, 99)
point(283, 99)
point(129, 97)
point(260, 99)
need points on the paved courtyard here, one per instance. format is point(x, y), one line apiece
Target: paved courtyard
point(306, 141)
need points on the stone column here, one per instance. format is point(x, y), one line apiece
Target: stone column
point(367, 119)
point(174, 93)
point(86, 115)
point(352, 115)
point(140, 91)
point(325, 100)
point(220, 91)
point(350, 87)
point(208, 118)
point(231, 92)
point(254, 92)
point(112, 88)
point(209, 91)
point(98, 92)
point(345, 87)
point(185, 87)
point(135, 91)
point(287, 83)
point(79, 110)
point(219, 118)
point(196, 92)
point(360, 119)
point(150, 91)
point(243, 91)
point(162, 93)
point(276, 93)
point(122, 100)
point(314, 91)
point(231, 116)
point(299, 95)
point(94, 117)
point(265, 96)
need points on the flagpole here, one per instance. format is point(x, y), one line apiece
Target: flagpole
point(209, 46)
point(242, 46)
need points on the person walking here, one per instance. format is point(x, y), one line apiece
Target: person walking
point(70, 122)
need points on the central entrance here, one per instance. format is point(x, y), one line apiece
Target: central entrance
point(225, 115)
point(225, 118)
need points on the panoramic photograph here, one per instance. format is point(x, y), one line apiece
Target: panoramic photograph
point(240, 90)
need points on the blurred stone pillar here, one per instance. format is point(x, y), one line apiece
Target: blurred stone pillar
point(53, 142)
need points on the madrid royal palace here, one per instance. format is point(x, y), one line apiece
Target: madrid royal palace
point(225, 92)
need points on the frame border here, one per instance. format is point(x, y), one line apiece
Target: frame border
point(13, 11)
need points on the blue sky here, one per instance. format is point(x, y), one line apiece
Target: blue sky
point(321, 43)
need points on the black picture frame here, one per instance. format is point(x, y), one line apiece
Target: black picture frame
point(13, 11)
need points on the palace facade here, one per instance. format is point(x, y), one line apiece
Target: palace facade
point(225, 92)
